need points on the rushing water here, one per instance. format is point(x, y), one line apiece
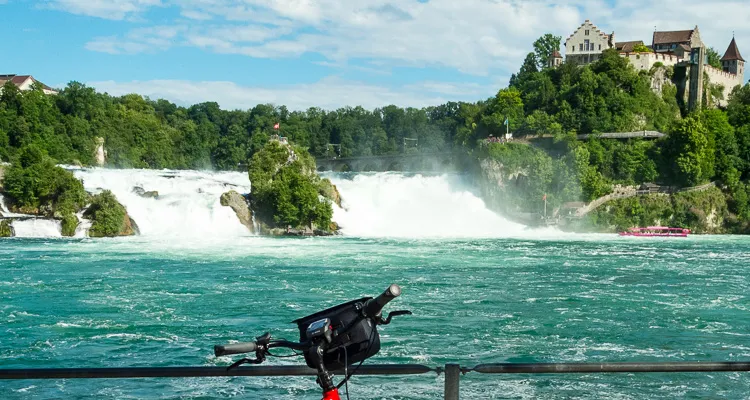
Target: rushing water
point(494, 292)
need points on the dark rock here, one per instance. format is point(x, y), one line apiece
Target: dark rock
point(153, 194)
point(238, 203)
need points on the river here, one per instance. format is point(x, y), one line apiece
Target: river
point(482, 290)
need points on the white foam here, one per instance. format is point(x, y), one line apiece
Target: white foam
point(394, 205)
point(3, 209)
point(37, 228)
point(188, 204)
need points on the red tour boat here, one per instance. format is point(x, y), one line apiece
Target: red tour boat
point(656, 231)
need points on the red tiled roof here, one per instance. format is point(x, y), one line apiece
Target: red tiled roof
point(627, 47)
point(673, 36)
point(732, 53)
point(19, 79)
point(556, 54)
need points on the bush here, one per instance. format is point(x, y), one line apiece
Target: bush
point(69, 225)
point(108, 217)
point(5, 229)
point(34, 184)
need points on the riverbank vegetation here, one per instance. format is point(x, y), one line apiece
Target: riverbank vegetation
point(34, 185)
point(544, 107)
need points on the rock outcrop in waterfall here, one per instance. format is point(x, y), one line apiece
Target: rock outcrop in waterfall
point(287, 196)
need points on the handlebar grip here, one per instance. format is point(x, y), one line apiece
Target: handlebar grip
point(235, 348)
point(373, 307)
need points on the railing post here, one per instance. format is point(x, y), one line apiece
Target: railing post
point(452, 375)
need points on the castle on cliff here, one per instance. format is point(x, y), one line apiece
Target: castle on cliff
point(679, 49)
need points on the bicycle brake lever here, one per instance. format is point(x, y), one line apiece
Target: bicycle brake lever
point(393, 314)
point(260, 352)
point(244, 361)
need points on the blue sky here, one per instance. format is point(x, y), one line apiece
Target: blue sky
point(327, 53)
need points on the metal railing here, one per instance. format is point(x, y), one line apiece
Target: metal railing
point(452, 372)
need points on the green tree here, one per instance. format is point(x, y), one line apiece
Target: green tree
point(35, 185)
point(507, 105)
point(714, 59)
point(528, 69)
point(544, 47)
point(690, 158)
point(285, 188)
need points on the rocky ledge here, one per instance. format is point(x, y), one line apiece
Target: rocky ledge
point(240, 204)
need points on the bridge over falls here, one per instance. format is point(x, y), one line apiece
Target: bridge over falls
point(436, 161)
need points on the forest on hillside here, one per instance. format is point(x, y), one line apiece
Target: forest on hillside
point(712, 144)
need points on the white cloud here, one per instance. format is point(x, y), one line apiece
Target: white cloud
point(486, 38)
point(107, 9)
point(328, 93)
point(140, 40)
point(480, 37)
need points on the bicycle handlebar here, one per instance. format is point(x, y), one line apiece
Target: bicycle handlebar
point(373, 307)
point(370, 309)
point(234, 348)
point(249, 347)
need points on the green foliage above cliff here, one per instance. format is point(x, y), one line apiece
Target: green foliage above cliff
point(143, 133)
point(285, 188)
point(33, 181)
point(689, 154)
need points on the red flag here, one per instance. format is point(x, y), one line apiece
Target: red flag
point(544, 197)
point(276, 126)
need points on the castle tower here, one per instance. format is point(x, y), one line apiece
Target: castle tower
point(555, 60)
point(732, 61)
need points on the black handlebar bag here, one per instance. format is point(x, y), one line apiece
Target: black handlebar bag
point(360, 342)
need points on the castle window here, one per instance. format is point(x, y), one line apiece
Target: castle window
point(587, 32)
point(600, 47)
point(587, 45)
point(581, 46)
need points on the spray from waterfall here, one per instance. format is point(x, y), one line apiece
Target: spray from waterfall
point(396, 205)
point(180, 203)
point(3, 209)
point(174, 205)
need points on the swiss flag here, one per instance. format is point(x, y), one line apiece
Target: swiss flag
point(544, 197)
point(276, 126)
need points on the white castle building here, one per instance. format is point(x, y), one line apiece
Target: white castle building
point(669, 48)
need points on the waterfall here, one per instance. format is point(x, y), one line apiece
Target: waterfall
point(396, 205)
point(37, 228)
point(3, 209)
point(187, 204)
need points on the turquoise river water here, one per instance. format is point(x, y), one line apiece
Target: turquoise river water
point(547, 298)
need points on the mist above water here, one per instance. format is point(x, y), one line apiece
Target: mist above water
point(415, 206)
point(386, 204)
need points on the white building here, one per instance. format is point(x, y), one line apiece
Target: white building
point(587, 43)
point(24, 82)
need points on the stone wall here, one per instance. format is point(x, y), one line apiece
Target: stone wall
point(644, 61)
point(726, 79)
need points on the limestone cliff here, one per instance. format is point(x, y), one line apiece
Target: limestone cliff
point(240, 206)
point(700, 211)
